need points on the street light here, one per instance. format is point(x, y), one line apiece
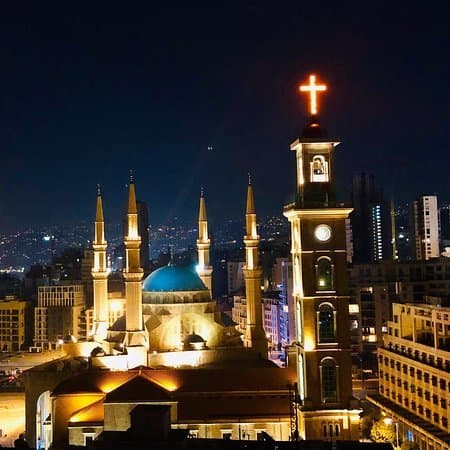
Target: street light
point(389, 421)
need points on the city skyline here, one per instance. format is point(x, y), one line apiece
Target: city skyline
point(187, 248)
point(88, 95)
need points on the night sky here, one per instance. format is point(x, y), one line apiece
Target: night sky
point(90, 90)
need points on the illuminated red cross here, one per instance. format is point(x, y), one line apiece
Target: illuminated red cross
point(313, 88)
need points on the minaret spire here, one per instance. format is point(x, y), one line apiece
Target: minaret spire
point(100, 273)
point(133, 273)
point(255, 336)
point(204, 269)
point(250, 198)
point(202, 209)
point(99, 209)
point(132, 205)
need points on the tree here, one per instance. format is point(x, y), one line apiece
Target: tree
point(382, 432)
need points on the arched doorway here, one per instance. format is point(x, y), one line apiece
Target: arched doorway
point(43, 421)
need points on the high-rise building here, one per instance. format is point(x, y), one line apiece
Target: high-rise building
point(86, 276)
point(444, 214)
point(57, 316)
point(414, 375)
point(235, 276)
point(287, 305)
point(270, 307)
point(319, 264)
point(143, 230)
point(413, 281)
point(371, 221)
point(402, 215)
point(271, 319)
point(13, 319)
point(425, 227)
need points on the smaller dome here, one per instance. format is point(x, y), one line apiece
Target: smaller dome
point(194, 342)
point(172, 278)
point(97, 351)
point(313, 130)
point(193, 339)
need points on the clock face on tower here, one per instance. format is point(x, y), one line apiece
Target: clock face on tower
point(322, 233)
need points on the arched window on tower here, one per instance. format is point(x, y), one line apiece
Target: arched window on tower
point(319, 169)
point(326, 323)
point(329, 380)
point(324, 274)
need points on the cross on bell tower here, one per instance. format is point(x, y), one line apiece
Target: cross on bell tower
point(312, 88)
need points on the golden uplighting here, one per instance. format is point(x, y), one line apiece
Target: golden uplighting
point(115, 305)
point(90, 413)
point(110, 383)
point(312, 88)
point(308, 343)
point(167, 383)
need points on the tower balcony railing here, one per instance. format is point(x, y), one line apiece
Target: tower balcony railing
point(316, 205)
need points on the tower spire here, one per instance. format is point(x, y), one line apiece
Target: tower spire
point(100, 273)
point(204, 269)
point(255, 336)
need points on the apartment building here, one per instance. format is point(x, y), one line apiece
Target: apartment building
point(414, 374)
point(13, 319)
point(58, 315)
point(271, 317)
point(425, 227)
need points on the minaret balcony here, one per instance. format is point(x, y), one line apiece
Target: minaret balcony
point(136, 275)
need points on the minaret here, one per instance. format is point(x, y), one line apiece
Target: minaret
point(320, 288)
point(100, 274)
point(133, 273)
point(204, 270)
point(254, 337)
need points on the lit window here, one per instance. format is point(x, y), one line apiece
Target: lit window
point(324, 274)
point(326, 323)
point(319, 169)
point(328, 378)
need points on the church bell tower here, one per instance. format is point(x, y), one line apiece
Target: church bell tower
point(318, 247)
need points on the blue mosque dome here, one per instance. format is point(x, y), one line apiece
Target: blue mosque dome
point(172, 278)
